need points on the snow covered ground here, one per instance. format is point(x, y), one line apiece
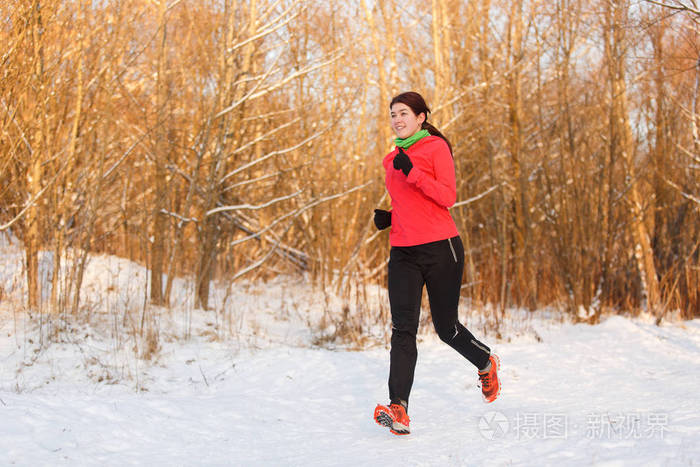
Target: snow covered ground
point(624, 392)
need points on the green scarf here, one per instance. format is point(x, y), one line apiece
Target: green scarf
point(408, 142)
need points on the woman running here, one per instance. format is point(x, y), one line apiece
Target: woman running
point(425, 250)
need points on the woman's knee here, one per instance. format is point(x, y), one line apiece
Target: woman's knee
point(447, 332)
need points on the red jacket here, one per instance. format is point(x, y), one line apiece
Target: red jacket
point(420, 201)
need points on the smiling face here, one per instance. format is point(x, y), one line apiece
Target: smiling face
point(404, 122)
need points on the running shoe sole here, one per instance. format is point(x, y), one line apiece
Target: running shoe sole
point(385, 420)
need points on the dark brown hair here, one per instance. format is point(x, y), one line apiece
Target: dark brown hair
point(418, 106)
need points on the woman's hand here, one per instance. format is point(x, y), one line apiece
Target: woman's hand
point(403, 162)
point(382, 219)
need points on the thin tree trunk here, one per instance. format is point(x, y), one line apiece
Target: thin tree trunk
point(441, 56)
point(522, 222)
point(643, 252)
point(383, 130)
point(35, 173)
point(161, 148)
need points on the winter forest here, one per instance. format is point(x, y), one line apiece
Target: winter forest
point(186, 206)
point(220, 140)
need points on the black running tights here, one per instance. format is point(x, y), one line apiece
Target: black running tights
point(439, 266)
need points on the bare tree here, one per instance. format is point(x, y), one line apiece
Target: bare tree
point(623, 144)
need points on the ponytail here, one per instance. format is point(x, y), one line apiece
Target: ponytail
point(435, 132)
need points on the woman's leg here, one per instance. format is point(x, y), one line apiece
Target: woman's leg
point(405, 290)
point(443, 279)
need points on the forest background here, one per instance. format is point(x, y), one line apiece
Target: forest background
point(227, 140)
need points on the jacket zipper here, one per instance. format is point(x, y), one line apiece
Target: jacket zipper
point(454, 255)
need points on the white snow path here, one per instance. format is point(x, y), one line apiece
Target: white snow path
point(624, 392)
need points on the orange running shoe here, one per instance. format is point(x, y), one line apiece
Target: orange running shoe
point(490, 386)
point(393, 417)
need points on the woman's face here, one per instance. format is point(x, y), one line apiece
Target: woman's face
point(404, 122)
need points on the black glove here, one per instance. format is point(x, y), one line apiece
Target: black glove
point(403, 162)
point(382, 219)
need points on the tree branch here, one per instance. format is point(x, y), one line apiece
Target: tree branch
point(36, 197)
point(679, 7)
point(478, 197)
point(251, 206)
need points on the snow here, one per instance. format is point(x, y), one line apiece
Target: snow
point(245, 384)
